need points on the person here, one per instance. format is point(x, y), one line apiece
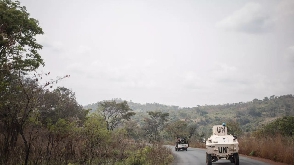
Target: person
point(177, 141)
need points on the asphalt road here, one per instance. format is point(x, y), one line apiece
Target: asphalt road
point(196, 156)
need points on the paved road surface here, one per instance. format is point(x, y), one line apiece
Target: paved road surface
point(196, 156)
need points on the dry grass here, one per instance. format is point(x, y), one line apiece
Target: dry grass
point(154, 154)
point(276, 148)
point(197, 145)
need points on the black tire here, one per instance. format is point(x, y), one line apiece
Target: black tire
point(236, 159)
point(209, 159)
point(186, 149)
point(232, 159)
point(175, 149)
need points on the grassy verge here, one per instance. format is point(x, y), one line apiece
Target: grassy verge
point(276, 148)
point(148, 155)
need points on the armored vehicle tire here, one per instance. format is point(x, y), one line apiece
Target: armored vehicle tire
point(208, 159)
point(236, 159)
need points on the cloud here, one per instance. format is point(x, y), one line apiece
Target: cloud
point(252, 18)
point(192, 81)
point(288, 54)
point(47, 43)
point(129, 75)
point(285, 9)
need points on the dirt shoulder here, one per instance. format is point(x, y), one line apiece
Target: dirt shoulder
point(264, 160)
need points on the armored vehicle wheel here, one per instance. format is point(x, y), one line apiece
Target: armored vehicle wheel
point(236, 159)
point(208, 159)
point(232, 159)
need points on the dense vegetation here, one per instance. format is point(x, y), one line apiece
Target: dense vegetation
point(269, 121)
point(41, 123)
point(274, 141)
point(250, 116)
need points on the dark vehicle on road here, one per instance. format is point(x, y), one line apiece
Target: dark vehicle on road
point(181, 144)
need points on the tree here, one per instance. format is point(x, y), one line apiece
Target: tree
point(115, 113)
point(61, 104)
point(254, 112)
point(17, 105)
point(97, 137)
point(283, 126)
point(18, 46)
point(177, 128)
point(154, 124)
point(233, 127)
point(18, 56)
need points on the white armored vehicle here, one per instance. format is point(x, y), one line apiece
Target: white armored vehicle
point(222, 146)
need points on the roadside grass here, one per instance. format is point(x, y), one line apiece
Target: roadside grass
point(195, 144)
point(277, 148)
point(154, 154)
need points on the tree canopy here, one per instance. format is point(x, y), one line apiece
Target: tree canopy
point(18, 45)
point(115, 113)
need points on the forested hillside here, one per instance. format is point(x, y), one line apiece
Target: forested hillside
point(269, 121)
point(43, 123)
point(249, 115)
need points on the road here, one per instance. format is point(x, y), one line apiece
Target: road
point(196, 156)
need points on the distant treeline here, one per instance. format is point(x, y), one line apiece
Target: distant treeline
point(249, 115)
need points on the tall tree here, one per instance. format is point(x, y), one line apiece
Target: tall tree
point(177, 129)
point(18, 46)
point(154, 124)
point(18, 55)
point(61, 104)
point(115, 113)
point(17, 104)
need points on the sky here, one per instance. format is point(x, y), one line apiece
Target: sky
point(174, 52)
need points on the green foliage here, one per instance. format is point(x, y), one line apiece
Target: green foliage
point(154, 124)
point(249, 115)
point(61, 126)
point(115, 113)
point(50, 127)
point(254, 112)
point(253, 153)
point(177, 129)
point(233, 127)
point(149, 155)
point(283, 126)
point(61, 104)
point(19, 100)
point(139, 157)
point(158, 116)
point(18, 46)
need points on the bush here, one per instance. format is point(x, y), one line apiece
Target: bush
point(150, 155)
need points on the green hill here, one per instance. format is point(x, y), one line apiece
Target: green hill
point(249, 115)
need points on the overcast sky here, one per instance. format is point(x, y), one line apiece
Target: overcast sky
point(173, 52)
